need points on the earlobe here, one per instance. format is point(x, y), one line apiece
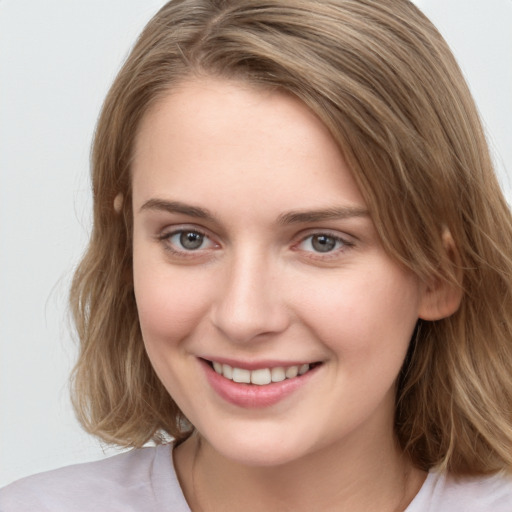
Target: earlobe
point(118, 202)
point(441, 297)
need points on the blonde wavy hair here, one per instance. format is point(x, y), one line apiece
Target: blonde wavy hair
point(383, 80)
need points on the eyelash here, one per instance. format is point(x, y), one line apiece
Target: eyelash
point(340, 244)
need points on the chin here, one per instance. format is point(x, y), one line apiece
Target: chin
point(260, 456)
point(258, 448)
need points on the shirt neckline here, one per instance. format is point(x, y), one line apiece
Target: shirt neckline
point(169, 494)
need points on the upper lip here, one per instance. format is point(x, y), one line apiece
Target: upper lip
point(260, 363)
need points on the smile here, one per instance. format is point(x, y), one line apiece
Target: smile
point(258, 386)
point(260, 376)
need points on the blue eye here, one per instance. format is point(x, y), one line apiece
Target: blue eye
point(322, 243)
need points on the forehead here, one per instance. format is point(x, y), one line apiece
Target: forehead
point(212, 114)
point(221, 139)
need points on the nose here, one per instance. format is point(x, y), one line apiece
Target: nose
point(249, 303)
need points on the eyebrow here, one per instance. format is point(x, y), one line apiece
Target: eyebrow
point(177, 207)
point(293, 217)
point(305, 216)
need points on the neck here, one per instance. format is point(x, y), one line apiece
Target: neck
point(343, 477)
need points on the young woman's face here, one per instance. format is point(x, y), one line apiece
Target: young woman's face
point(254, 256)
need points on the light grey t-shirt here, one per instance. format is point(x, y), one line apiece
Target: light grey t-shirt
point(140, 480)
point(144, 480)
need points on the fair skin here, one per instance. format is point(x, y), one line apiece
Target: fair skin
point(252, 247)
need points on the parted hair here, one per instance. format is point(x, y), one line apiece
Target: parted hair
point(383, 80)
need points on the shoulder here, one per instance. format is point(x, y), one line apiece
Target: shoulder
point(445, 493)
point(130, 481)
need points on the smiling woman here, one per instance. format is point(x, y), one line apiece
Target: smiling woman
point(278, 282)
point(299, 280)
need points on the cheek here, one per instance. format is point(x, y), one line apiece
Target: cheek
point(170, 310)
point(368, 317)
point(164, 312)
point(169, 304)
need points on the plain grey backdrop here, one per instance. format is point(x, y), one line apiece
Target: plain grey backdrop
point(57, 60)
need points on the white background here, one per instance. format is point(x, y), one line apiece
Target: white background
point(57, 59)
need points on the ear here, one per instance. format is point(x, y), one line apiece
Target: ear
point(442, 297)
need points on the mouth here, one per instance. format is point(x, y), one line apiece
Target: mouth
point(261, 376)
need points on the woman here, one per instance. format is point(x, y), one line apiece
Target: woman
point(300, 270)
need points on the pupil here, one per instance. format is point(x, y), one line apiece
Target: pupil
point(191, 240)
point(323, 243)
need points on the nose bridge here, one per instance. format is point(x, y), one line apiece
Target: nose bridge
point(249, 302)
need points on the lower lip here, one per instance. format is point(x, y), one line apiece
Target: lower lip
point(252, 395)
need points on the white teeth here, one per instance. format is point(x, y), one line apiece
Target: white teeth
point(262, 376)
point(278, 374)
point(292, 372)
point(241, 375)
point(227, 371)
point(303, 369)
